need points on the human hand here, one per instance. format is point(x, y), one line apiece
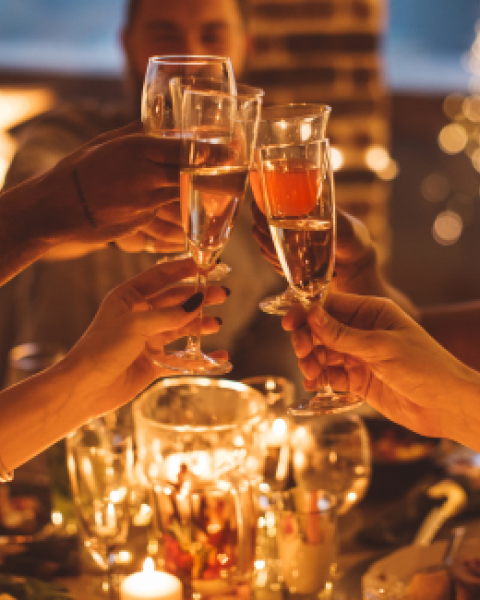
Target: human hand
point(111, 363)
point(164, 234)
point(372, 348)
point(112, 186)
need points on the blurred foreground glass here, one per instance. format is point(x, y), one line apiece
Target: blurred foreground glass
point(307, 540)
point(286, 124)
point(332, 453)
point(198, 446)
point(219, 136)
point(100, 465)
point(298, 191)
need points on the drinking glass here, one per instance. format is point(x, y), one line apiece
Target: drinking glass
point(219, 136)
point(162, 101)
point(298, 191)
point(100, 465)
point(198, 442)
point(332, 453)
point(286, 124)
point(307, 542)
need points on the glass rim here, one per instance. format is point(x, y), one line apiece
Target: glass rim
point(323, 142)
point(256, 93)
point(188, 59)
point(202, 382)
point(324, 109)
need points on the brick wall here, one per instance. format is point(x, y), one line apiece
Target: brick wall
point(328, 51)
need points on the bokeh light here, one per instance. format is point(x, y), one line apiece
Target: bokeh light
point(452, 105)
point(435, 187)
point(447, 228)
point(453, 138)
point(337, 158)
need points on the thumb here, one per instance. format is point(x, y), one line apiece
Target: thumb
point(337, 336)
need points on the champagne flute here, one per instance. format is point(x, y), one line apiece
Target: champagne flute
point(286, 124)
point(219, 136)
point(162, 100)
point(298, 190)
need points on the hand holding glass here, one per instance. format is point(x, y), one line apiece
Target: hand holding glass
point(298, 190)
point(219, 132)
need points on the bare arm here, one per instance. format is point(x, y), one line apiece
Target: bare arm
point(106, 190)
point(109, 365)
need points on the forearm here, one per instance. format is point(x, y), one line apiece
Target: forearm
point(39, 411)
point(457, 328)
point(27, 230)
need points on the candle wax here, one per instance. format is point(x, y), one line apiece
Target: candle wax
point(151, 585)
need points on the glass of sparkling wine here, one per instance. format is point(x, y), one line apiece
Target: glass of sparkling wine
point(219, 133)
point(162, 101)
point(286, 124)
point(298, 191)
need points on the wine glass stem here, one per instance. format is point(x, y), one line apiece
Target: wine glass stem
point(193, 342)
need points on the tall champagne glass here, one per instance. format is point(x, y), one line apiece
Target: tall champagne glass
point(219, 135)
point(162, 99)
point(298, 190)
point(286, 124)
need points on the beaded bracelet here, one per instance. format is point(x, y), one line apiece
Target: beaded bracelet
point(5, 476)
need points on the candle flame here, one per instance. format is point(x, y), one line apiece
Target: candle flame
point(148, 565)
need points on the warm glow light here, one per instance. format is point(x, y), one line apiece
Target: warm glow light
point(377, 158)
point(259, 564)
point(471, 108)
point(452, 105)
point(305, 131)
point(447, 228)
point(351, 497)
point(124, 557)
point(148, 565)
point(270, 385)
point(18, 105)
point(390, 171)
point(435, 187)
point(279, 427)
point(453, 138)
point(337, 158)
point(57, 517)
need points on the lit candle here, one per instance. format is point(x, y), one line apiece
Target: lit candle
point(150, 585)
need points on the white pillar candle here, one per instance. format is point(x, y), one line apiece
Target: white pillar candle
point(150, 585)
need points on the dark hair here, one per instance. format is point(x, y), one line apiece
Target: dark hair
point(132, 6)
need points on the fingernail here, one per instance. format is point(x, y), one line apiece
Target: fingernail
point(193, 302)
point(227, 290)
point(218, 320)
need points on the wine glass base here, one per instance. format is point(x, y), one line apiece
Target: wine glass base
point(324, 404)
point(278, 305)
point(189, 363)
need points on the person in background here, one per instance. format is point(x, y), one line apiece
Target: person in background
point(55, 300)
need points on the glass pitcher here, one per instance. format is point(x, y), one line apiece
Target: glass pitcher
point(198, 444)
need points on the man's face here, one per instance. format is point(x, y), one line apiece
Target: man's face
point(163, 27)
